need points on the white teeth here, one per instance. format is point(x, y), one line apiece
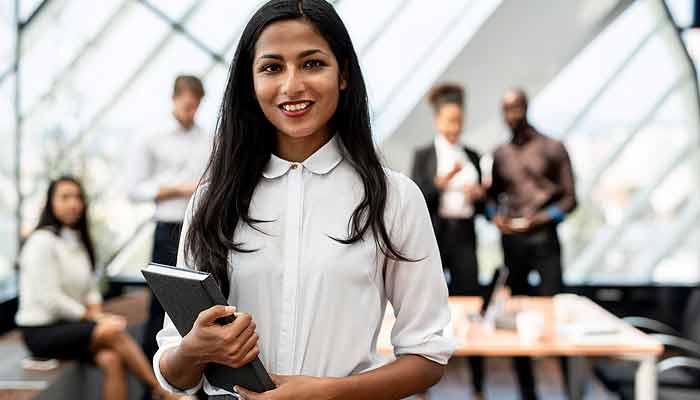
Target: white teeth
point(295, 107)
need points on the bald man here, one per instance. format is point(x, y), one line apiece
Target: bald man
point(531, 193)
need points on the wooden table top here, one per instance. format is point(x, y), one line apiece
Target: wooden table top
point(566, 319)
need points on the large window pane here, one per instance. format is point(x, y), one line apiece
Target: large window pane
point(217, 21)
point(8, 195)
point(628, 111)
point(57, 38)
point(8, 31)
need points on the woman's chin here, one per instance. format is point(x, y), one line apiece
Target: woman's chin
point(298, 133)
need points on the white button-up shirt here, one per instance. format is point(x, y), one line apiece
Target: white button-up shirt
point(168, 158)
point(319, 304)
point(453, 203)
point(56, 279)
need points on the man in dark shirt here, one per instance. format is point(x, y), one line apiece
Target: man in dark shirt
point(532, 191)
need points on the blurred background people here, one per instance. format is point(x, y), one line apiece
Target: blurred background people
point(532, 191)
point(449, 175)
point(165, 170)
point(60, 306)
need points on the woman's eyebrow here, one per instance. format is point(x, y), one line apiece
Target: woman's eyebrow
point(272, 56)
point(303, 54)
point(310, 52)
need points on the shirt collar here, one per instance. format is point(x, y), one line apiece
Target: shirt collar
point(178, 129)
point(442, 144)
point(321, 162)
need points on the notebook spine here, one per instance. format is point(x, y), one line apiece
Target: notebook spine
point(262, 375)
point(216, 298)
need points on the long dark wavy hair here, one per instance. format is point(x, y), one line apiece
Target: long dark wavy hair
point(245, 139)
point(49, 221)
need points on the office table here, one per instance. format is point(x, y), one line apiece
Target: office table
point(567, 319)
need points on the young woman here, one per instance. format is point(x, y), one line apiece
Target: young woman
point(305, 231)
point(449, 175)
point(60, 312)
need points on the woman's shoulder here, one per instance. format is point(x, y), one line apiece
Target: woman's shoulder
point(42, 235)
point(401, 188)
point(40, 240)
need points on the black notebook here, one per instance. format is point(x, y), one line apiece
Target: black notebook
point(185, 293)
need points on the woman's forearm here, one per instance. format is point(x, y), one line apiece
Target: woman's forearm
point(179, 369)
point(407, 375)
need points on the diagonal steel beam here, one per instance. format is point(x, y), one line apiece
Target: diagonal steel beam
point(446, 29)
point(594, 253)
point(386, 23)
point(37, 11)
point(83, 133)
point(177, 26)
point(9, 71)
point(89, 44)
point(586, 109)
point(647, 117)
point(687, 221)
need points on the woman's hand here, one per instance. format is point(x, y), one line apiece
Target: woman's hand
point(293, 388)
point(92, 312)
point(503, 224)
point(109, 325)
point(473, 193)
point(441, 182)
point(234, 344)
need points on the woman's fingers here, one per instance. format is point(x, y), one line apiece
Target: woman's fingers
point(235, 329)
point(250, 356)
point(210, 315)
point(251, 342)
point(247, 394)
point(278, 380)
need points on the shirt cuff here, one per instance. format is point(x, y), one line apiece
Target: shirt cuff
point(146, 191)
point(161, 379)
point(437, 348)
point(491, 211)
point(555, 213)
point(93, 297)
point(75, 311)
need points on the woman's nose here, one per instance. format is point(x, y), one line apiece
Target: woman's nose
point(293, 84)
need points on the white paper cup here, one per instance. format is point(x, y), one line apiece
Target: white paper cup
point(530, 326)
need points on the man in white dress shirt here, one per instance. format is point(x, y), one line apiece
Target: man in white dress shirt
point(166, 170)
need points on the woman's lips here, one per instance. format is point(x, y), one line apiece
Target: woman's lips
point(296, 109)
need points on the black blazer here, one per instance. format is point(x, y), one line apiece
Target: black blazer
point(424, 172)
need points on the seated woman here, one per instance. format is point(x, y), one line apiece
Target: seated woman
point(60, 313)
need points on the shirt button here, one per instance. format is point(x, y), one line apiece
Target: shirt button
point(295, 165)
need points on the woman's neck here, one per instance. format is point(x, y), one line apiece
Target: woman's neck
point(299, 149)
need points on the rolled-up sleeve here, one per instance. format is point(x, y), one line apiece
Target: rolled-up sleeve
point(167, 338)
point(417, 289)
point(93, 296)
point(140, 174)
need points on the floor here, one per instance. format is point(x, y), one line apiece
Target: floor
point(501, 382)
point(455, 385)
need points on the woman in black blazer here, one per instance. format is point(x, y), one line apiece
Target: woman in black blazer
point(449, 176)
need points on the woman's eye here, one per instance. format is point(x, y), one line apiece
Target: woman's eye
point(313, 64)
point(270, 68)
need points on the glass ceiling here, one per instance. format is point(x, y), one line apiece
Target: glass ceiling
point(96, 75)
point(627, 108)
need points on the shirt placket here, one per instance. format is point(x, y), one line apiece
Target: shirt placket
point(295, 190)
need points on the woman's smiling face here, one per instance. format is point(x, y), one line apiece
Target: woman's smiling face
point(296, 78)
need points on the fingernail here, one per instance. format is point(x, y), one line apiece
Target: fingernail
point(230, 309)
point(235, 389)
